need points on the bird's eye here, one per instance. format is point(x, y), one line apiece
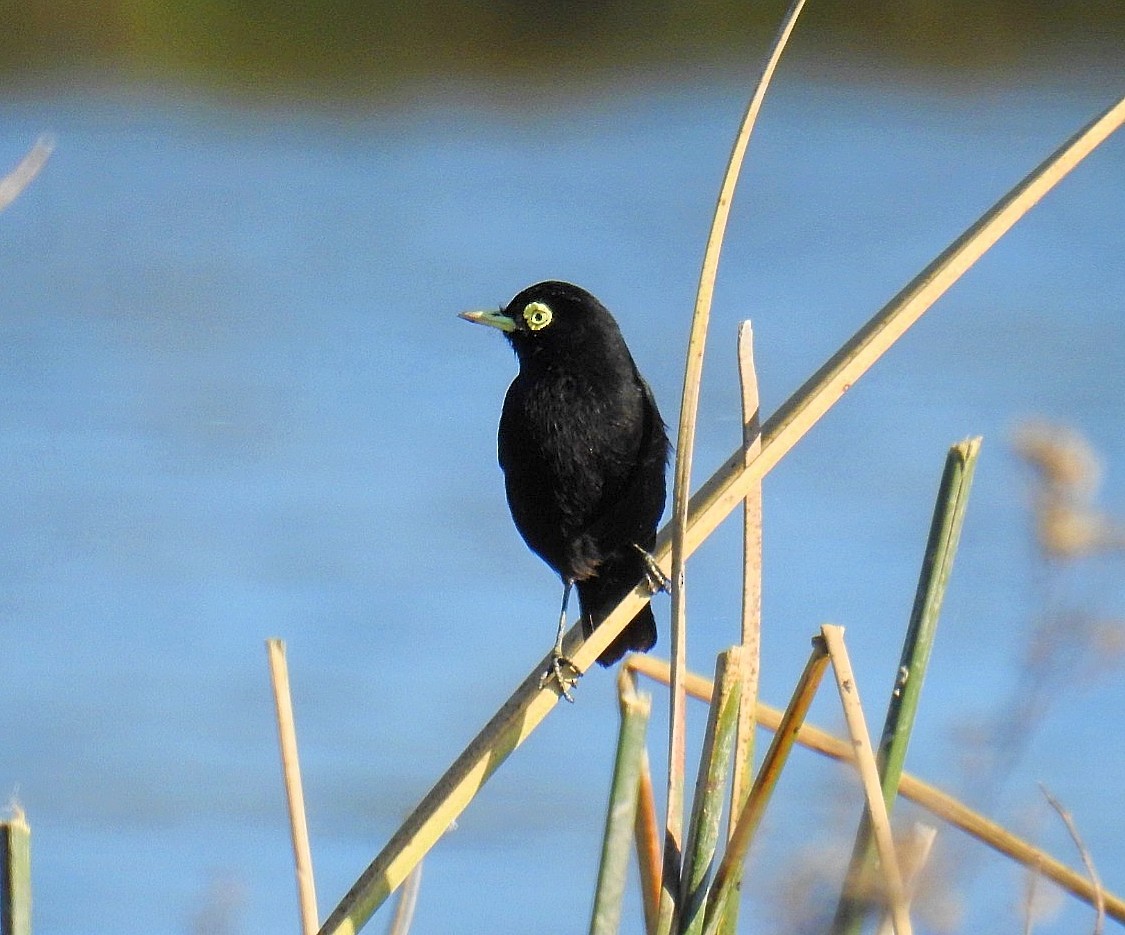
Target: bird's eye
point(537, 315)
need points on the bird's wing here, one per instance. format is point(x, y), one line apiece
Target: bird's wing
point(632, 510)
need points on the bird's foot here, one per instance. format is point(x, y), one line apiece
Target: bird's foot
point(657, 580)
point(557, 670)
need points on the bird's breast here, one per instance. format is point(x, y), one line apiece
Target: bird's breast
point(567, 441)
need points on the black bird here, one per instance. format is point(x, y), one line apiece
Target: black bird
point(584, 452)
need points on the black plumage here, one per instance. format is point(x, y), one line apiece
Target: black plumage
point(584, 452)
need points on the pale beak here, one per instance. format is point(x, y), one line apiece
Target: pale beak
point(495, 319)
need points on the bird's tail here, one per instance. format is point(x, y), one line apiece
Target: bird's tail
point(597, 596)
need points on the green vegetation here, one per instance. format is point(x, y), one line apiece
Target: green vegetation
point(371, 46)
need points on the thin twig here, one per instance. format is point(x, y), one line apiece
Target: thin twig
point(298, 827)
point(1087, 860)
point(728, 485)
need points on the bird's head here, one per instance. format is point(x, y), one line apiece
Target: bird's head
point(550, 318)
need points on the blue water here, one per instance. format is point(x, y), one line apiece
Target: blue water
point(237, 403)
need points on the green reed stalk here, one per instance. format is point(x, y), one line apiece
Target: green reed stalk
point(941, 548)
point(707, 806)
point(617, 841)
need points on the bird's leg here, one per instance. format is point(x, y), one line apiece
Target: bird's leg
point(657, 580)
point(558, 661)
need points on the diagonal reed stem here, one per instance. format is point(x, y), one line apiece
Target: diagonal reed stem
point(869, 777)
point(721, 494)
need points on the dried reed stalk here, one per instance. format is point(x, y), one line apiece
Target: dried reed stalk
point(681, 489)
point(864, 755)
point(938, 803)
point(294, 794)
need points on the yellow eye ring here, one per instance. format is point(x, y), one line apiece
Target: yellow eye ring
point(537, 315)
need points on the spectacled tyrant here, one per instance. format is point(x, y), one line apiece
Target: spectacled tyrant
point(584, 451)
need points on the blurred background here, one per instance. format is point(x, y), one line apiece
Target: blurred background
point(237, 403)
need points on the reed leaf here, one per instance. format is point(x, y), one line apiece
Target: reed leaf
point(707, 805)
point(617, 840)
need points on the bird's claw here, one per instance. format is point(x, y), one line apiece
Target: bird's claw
point(565, 681)
point(654, 574)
